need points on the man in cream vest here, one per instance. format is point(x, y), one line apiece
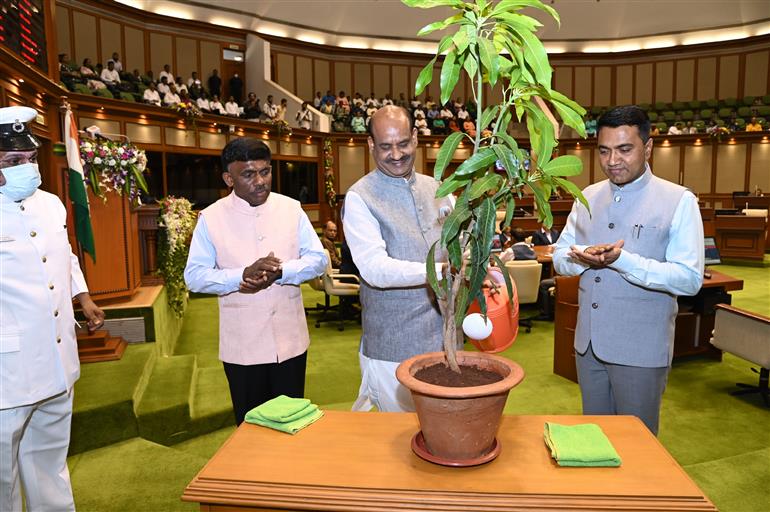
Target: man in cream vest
point(639, 247)
point(254, 248)
point(390, 219)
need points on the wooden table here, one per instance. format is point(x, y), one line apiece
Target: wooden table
point(363, 461)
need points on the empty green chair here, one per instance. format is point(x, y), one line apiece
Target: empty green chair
point(653, 116)
point(81, 88)
point(748, 100)
point(740, 123)
point(725, 112)
point(662, 127)
point(596, 111)
point(731, 102)
point(127, 96)
point(766, 99)
point(104, 93)
point(700, 126)
point(660, 106)
point(712, 103)
point(645, 106)
point(678, 105)
point(695, 104)
point(706, 113)
point(763, 122)
point(744, 112)
point(688, 115)
point(669, 116)
point(763, 110)
point(720, 122)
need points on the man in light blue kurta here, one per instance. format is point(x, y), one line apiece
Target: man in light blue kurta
point(640, 247)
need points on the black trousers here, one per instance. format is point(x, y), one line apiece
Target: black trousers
point(252, 385)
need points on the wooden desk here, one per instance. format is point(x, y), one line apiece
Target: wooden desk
point(739, 236)
point(694, 322)
point(363, 461)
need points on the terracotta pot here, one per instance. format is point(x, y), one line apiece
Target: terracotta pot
point(460, 424)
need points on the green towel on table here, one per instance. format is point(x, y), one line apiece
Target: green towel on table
point(580, 445)
point(286, 414)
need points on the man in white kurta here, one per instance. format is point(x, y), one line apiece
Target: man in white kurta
point(253, 249)
point(39, 364)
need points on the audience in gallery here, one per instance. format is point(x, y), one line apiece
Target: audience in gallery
point(352, 114)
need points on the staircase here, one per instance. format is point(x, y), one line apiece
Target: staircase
point(99, 346)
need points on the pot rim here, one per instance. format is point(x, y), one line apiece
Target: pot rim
point(403, 374)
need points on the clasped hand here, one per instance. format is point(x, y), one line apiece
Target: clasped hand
point(597, 256)
point(261, 274)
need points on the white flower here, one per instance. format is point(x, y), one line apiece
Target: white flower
point(121, 151)
point(111, 162)
point(97, 160)
point(123, 163)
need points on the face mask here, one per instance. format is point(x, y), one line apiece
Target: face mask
point(21, 181)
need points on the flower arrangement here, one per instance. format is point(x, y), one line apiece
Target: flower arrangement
point(331, 194)
point(178, 219)
point(188, 109)
point(282, 128)
point(718, 132)
point(114, 166)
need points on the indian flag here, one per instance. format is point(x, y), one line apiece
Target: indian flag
point(78, 194)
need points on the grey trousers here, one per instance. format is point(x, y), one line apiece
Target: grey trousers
point(608, 388)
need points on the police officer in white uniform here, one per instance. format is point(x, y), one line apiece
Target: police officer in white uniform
point(39, 364)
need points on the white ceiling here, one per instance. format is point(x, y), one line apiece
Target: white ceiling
point(608, 25)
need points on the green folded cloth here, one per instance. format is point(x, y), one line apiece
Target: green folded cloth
point(286, 414)
point(580, 445)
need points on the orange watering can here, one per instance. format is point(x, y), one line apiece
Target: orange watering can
point(503, 312)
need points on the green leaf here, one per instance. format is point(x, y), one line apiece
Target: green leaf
point(450, 73)
point(454, 222)
point(505, 155)
point(439, 25)
point(536, 57)
point(140, 180)
point(541, 134)
point(509, 141)
point(484, 185)
point(461, 39)
point(427, 4)
point(451, 184)
point(515, 5)
point(430, 267)
point(489, 59)
point(508, 284)
point(455, 253)
point(484, 158)
point(543, 206)
point(471, 65)
point(509, 209)
point(557, 96)
point(486, 219)
point(570, 117)
point(573, 190)
point(424, 78)
point(445, 154)
point(517, 22)
point(461, 305)
point(565, 165)
point(488, 115)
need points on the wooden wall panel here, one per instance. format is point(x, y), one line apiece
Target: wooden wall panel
point(562, 80)
point(211, 59)
point(666, 162)
point(284, 71)
point(401, 82)
point(728, 76)
point(495, 96)
point(134, 50)
point(664, 81)
point(697, 168)
point(583, 179)
point(381, 74)
point(84, 32)
point(583, 85)
point(602, 86)
point(419, 161)
point(731, 162)
point(643, 83)
point(186, 57)
point(342, 76)
point(362, 75)
point(351, 166)
point(624, 84)
point(707, 78)
point(685, 79)
point(63, 31)
point(759, 175)
point(109, 32)
point(305, 78)
point(755, 83)
point(322, 76)
point(161, 52)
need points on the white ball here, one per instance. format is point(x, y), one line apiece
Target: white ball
point(476, 327)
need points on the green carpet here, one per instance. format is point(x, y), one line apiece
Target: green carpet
point(722, 441)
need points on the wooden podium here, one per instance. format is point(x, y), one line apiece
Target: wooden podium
point(355, 461)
